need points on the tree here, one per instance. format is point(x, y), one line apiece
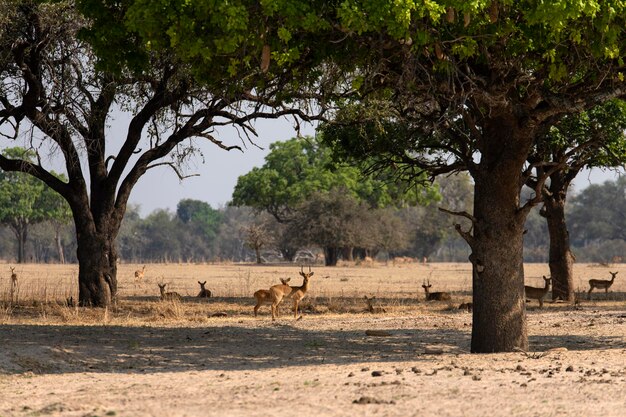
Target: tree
point(53, 85)
point(333, 220)
point(20, 201)
point(597, 213)
point(201, 221)
point(475, 93)
point(256, 237)
point(58, 213)
point(162, 240)
point(296, 169)
point(593, 138)
point(474, 86)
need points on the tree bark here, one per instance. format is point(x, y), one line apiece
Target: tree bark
point(20, 229)
point(331, 255)
point(257, 253)
point(499, 311)
point(97, 269)
point(561, 259)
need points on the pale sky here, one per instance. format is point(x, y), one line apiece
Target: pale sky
point(160, 188)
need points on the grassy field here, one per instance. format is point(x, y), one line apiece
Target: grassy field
point(147, 357)
point(336, 289)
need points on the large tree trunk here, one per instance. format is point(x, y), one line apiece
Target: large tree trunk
point(97, 270)
point(499, 312)
point(561, 259)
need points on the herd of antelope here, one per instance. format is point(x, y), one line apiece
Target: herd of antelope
point(277, 293)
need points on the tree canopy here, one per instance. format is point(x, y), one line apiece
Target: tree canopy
point(296, 169)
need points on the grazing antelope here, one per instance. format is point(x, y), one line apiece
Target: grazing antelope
point(466, 306)
point(601, 283)
point(264, 296)
point(278, 292)
point(538, 293)
point(139, 273)
point(435, 296)
point(371, 308)
point(170, 296)
point(204, 293)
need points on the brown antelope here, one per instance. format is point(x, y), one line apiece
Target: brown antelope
point(169, 296)
point(538, 293)
point(602, 283)
point(466, 306)
point(204, 293)
point(140, 272)
point(435, 296)
point(13, 278)
point(278, 292)
point(371, 307)
point(264, 296)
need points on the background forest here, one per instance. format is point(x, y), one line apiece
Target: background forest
point(197, 232)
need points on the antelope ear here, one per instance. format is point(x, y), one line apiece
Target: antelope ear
point(311, 274)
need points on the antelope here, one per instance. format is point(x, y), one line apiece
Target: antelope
point(602, 283)
point(139, 273)
point(278, 292)
point(435, 296)
point(204, 293)
point(264, 296)
point(371, 308)
point(170, 296)
point(538, 293)
point(466, 306)
point(13, 277)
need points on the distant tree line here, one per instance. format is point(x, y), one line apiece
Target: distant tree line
point(196, 232)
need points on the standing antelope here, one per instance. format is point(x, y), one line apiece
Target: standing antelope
point(278, 292)
point(13, 278)
point(538, 293)
point(204, 293)
point(601, 283)
point(264, 296)
point(170, 296)
point(435, 296)
point(139, 273)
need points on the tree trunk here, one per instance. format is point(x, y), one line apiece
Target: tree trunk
point(348, 253)
point(288, 254)
point(331, 255)
point(561, 259)
point(59, 243)
point(499, 311)
point(257, 253)
point(97, 269)
point(20, 229)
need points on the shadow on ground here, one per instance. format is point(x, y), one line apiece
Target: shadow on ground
point(252, 345)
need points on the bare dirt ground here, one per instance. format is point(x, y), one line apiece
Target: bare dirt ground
point(151, 358)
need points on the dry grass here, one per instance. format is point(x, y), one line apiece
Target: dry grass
point(43, 291)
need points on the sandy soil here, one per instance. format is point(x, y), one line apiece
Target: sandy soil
point(323, 365)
